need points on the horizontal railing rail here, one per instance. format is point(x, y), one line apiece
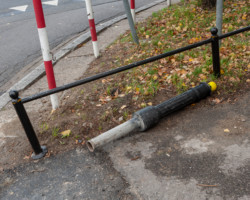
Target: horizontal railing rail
point(241, 30)
point(130, 66)
point(113, 71)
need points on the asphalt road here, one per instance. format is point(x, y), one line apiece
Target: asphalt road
point(19, 42)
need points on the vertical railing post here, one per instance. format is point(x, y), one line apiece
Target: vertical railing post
point(39, 151)
point(215, 52)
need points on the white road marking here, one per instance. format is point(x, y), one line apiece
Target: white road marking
point(20, 8)
point(52, 3)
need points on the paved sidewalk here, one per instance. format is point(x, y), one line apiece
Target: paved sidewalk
point(187, 156)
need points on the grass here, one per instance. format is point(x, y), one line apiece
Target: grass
point(178, 26)
point(55, 131)
point(44, 127)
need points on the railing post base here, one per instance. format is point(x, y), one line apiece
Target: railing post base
point(40, 155)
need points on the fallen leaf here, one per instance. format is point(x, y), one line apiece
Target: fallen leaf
point(226, 131)
point(202, 77)
point(52, 111)
point(232, 79)
point(65, 133)
point(146, 93)
point(244, 17)
point(48, 154)
point(216, 100)
point(116, 93)
point(155, 77)
point(143, 105)
point(104, 81)
point(124, 106)
point(26, 157)
point(193, 40)
point(185, 28)
point(178, 28)
point(129, 88)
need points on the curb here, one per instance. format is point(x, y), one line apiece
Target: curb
point(39, 71)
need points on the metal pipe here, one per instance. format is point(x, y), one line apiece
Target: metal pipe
point(177, 103)
point(113, 134)
point(148, 117)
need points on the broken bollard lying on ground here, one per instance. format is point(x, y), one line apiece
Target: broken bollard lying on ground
point(148, 117)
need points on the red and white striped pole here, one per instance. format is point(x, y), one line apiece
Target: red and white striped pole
point(132, 8)
point(47, 58)
point(92, 27)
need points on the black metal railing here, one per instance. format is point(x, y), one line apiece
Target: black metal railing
point(40, 151)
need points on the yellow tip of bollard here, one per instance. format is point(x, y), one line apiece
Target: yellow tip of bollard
point(213, 86)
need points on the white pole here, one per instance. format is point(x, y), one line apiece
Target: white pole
point(92, 27)
point(47, 58)
point(132, 8)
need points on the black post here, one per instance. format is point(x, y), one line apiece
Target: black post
point(215, 52)
point(39, 151)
